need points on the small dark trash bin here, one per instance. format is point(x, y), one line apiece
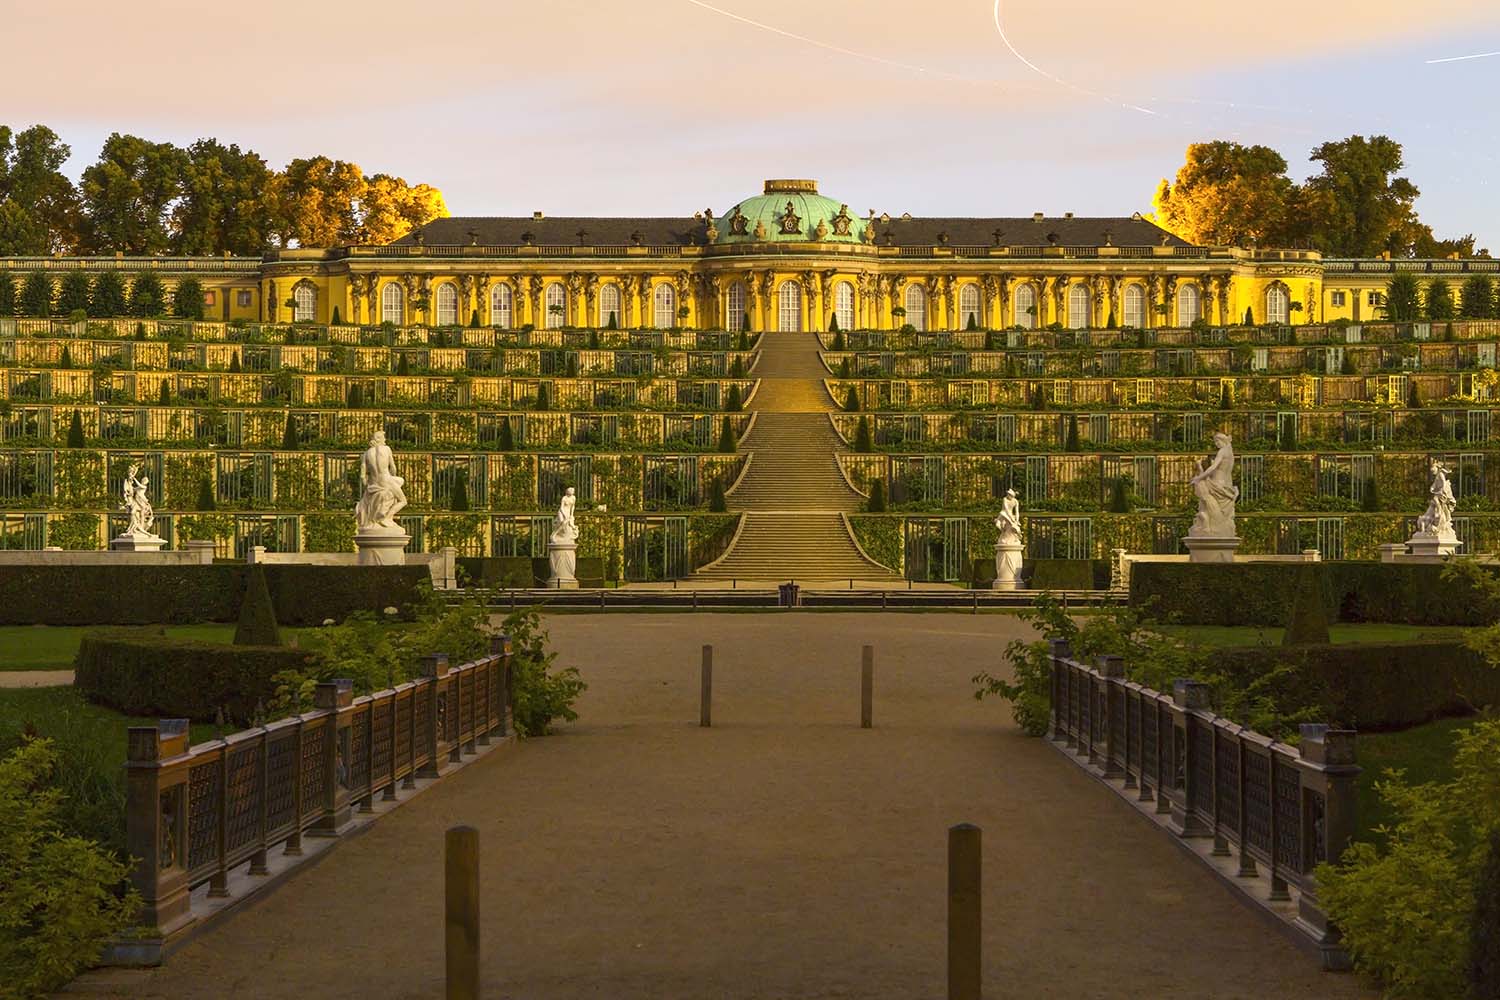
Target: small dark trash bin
point(789, 595)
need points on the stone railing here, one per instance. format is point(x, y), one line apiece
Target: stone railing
point(193, 814)
point(1272, 812)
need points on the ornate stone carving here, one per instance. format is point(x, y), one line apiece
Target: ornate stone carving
point(842, 222)
point(382, 492)
point(1214, 487)
point(738, 223)
point(760, 229)
point(791, 222)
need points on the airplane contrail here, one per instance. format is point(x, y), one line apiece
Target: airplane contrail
point(1477, 55)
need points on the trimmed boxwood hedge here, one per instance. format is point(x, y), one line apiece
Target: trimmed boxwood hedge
point(174, 595)
point(143, 672)
point(1261, 593)
point(1368, 685)
point(523, 571)
point(1068, 574)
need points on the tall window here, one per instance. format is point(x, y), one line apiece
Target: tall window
point(1277, 304)
point(1134, 313)
point(500, 306)
point(306, 297)
point(736, 307)
point(392, 304)
point(790, 299)
point(555, 302)
point(1025, 307)
point(843, 305)
point(916, 306)
point(1188, 306)
point(1079, 305)
point(445, 304)
point(609, 305)
point(968, 307)
point(664, 303)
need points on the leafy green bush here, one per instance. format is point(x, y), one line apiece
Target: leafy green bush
point(540, 694)
point(1484, 932)
point(1406, 907)
point(61, 896)
point(143, 672)
point(1062, 574)
point(1308, 621)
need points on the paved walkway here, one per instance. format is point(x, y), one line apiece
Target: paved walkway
point(34, 678)
point(783, 853)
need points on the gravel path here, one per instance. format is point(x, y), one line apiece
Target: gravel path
point(783, 853)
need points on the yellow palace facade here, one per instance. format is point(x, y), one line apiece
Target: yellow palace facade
point(788, 259)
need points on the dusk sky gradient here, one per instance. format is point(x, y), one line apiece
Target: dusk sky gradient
point(666, 107)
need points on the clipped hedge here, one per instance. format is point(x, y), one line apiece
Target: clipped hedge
point(143, 672)
point(1068, 574)
point(1387, 685)
point(1261, 593)
point(175, 595)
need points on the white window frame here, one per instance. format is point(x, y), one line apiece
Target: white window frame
point(609, 302)
point(843, 304)
point(1278, 305)
point(915, 301)
point(393, 303)
point(1080, 305)
point(445, 304)
point(735, 305)
point(969, 305)
point(664, 306)
point(1025, 298)
point(789, 307)
point(554, 295)
point(501, 305)
point(306, 297)
point(1133, 307)
point(1189, 305)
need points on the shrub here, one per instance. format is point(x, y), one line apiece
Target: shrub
point(164, 393)
point(541, 395)
point(973, 323)
point(851, 401)
point(726, 437)
point(458, 499)
point(1226, 401)
point(1484, 926)
point(403, 364)
point(289, 439)
point(539, 693)
point(1413, 397)
point(497, 571)
point(1062, 574)
point(73, 296)
point(1249, 316)
point(36, 295)
point(876, 503)
point(78, 530)
point(257, 624)
point(507, 440)
point(1071, 444)
point(473, 319)
point(716, 502)
point(335, 319)
point(234, 362)
point(732, 401)
point(1406, 908)
point(7, 295)
point(838, 335)
point(205, 494)
point(1119, 496)
point(147, 298)
point(61, 896)
point(187, 299)
point(862, 440)
point(1308, 620)
point(75, 431)
point(144, 672)
point(108, 296)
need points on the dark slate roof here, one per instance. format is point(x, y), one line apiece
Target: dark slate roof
point(659, 231)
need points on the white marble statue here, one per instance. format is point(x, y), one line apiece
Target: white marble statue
point(382, 492)
point(1008, 524)
point(1437, 520)
point(564, 527)
point(1214, 487)
point(138, 502)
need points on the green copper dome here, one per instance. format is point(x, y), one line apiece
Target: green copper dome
point(789, 210)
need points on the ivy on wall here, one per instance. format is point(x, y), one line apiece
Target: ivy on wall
point(74, 531)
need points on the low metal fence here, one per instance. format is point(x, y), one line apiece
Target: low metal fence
point(194, 813)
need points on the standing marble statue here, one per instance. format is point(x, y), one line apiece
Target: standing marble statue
point(378, 538)
point(1435, 537)
point(562, 546)
point(1211, 537)
point(1009, 544)
point(138, 502)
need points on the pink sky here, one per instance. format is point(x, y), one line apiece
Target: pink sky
point(667, 107)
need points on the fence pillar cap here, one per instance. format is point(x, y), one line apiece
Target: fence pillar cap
point(1188, 693)
point(1061, 648)
point(500, 644)
point(1320, 744)
point(168, 738)
point(1111, 665)
point(337, 693)
point(435, 665)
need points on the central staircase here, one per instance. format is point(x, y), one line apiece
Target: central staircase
point(793, 495)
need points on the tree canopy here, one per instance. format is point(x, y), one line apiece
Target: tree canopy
point(1356, 205)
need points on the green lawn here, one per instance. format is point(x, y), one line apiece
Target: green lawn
point(51, 647)
point(1249, 635)
point(1424, 752)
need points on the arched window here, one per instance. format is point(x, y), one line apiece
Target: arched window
point(1277, 304)
point(664, 306)
point(968, 307)
point(445, 304)
point(555, 302)
point(1188, 306)
point(393, 304)
point(843, 305)
point(916, 306)
point(1080, 304)
point(790, 299)
point(609, 305)
point(736, 320)
point(500, 306)
point(1025, 306)
point(306, 296)
point(1134, 313)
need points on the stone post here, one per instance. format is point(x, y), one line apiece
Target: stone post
point(1328, 774)
point(1111, 676)
point(1188, 699)
point(501, 691)
point(202, 550)
point(336, 698)
point(156, 822)
point(1059, 650)
point(434, 669)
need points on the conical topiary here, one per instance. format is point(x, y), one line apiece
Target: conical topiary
point(234, 362)
point(833, 327)
point(1226, 400)
point(716, 502)
point(732, 401)
point(1307, 624)
point(164, 393)
point(1071, 443)
point(726, 437)
point(1484, 929)
point(459, 498)
point(851, 401)
point(75, 431)
point(1119, 496)
point(257, 625)
point(1249, 317)
point(838, 336)
point(289, 441)
point(507, 440)
point(862, 440)
point(876, 503)
point(336, 319)
point(205, 494)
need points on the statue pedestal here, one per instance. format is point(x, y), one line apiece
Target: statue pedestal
point(1008, 565)
point(381, 546)
point(1206, 549)
point(1425, 547)
point(133, 541)
point(564, 559)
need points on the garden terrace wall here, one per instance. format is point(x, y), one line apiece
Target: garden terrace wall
point(1282, 810)
point(152, 595)
point(194, 814)
point(1260, 594)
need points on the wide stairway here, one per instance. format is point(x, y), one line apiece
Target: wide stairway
point(793, 495)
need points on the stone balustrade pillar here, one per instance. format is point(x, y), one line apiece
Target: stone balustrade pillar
point(156, 822)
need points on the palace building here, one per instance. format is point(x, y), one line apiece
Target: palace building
point(788, 259)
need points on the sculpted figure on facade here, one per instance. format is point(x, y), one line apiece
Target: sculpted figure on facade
point(382, 492)
point(1214, 487)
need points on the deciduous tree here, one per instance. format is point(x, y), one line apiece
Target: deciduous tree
point(1227, 194)
point(36, 295)
point(1477, 297)
point(130, 194)
point(1357, 206)
point(1402, 298)
point(227, 203)
point(108, 298)
point(38, 204)
point(1439, 300)
point(73, 295)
